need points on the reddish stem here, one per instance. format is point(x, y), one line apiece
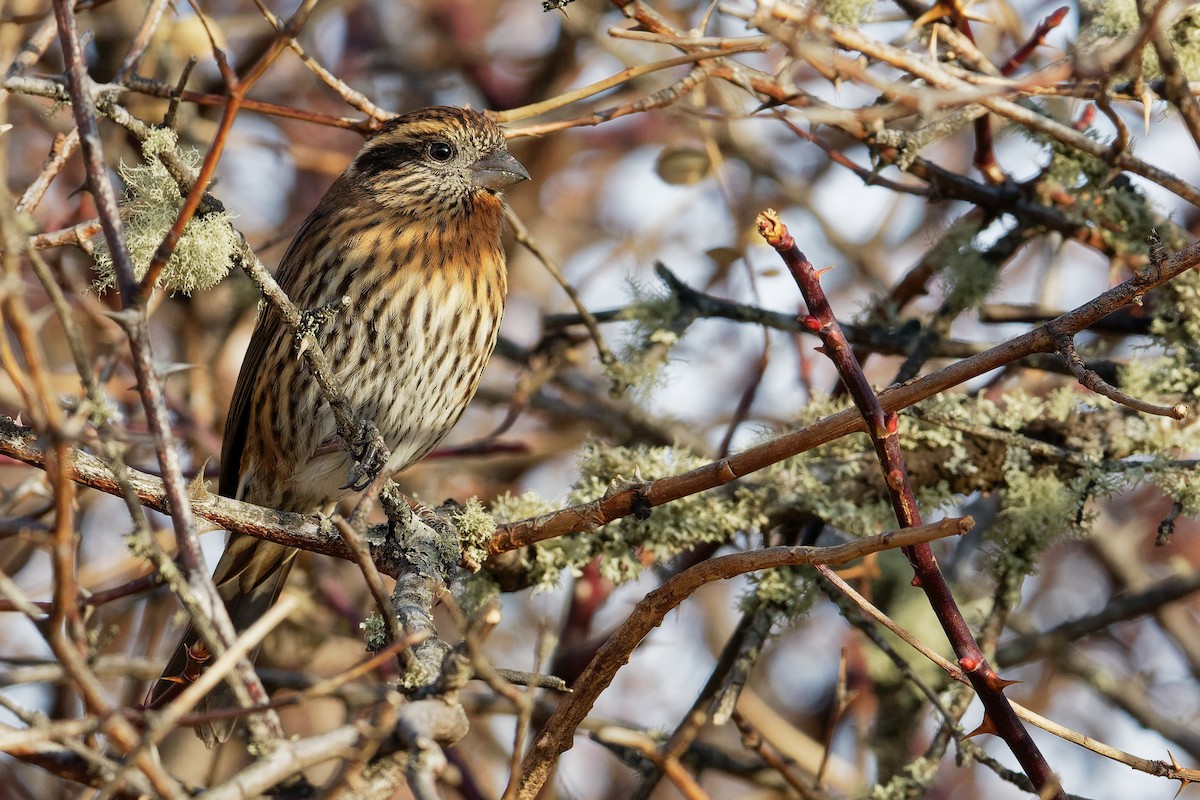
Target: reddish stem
point(882, 427)
point(1034, 42)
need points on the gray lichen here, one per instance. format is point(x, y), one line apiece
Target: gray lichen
point(203, 255)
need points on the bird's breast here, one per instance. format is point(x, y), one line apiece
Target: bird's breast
point(430, 324)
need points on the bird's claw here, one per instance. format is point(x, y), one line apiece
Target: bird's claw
point(369, 454)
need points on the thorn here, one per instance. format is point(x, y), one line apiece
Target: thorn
point(126, 318)
point(1147, 102)
point(987, 726)
point(935, 12)
point(166, 370)
point(997, 683)
point(821, 272)
point(1183, 782)
point(197, 488)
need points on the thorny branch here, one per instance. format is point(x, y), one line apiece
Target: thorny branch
point(883, 429)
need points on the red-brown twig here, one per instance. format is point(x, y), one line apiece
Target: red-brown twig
point(1036, 40)
point(883, 429)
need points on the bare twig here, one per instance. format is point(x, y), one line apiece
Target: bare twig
point(557, 734)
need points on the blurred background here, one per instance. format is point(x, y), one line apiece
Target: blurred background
point(937, 252)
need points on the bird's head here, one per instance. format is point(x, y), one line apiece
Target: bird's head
point(437, 161)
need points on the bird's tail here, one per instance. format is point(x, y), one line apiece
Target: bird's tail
point(249, 577)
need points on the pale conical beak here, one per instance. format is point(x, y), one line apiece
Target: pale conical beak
point(497, 171)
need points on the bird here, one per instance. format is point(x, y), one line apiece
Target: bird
point(410, 233)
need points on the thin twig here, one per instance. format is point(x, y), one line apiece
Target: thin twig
point(556, 735)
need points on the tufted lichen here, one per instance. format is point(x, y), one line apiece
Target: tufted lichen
point(627, 545)
point(202, 257)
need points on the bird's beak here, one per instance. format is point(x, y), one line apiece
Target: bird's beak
point(497, 171)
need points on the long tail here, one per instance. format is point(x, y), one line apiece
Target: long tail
point(249, 577)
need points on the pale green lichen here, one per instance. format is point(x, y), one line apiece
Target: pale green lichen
point(375, 633)
point(414, 678)
point(1182, 485)
point(846, 12)
point(1039, 508)
point(965, 274)
point(784, 592)
point(1110, 17)
point(203, 255)
point(509, 507)
point(1041, 459)
point(475, 530)
point(1185, 41)
point(624, 546)
point(914, 781)
point(1112, 206)
point(1108, 203)
point(840, 482)
point(1112, 23)
point(1175, 328)
point(647, 346)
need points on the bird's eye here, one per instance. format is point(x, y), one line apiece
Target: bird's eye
point(440, 151)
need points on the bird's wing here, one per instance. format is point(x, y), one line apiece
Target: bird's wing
point(266, 331)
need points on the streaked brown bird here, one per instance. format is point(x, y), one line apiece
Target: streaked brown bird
point(410, 233)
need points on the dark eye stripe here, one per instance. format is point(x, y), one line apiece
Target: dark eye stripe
point(386, 156)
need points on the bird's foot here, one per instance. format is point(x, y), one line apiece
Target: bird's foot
point(370, 455)
point(312, 319)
